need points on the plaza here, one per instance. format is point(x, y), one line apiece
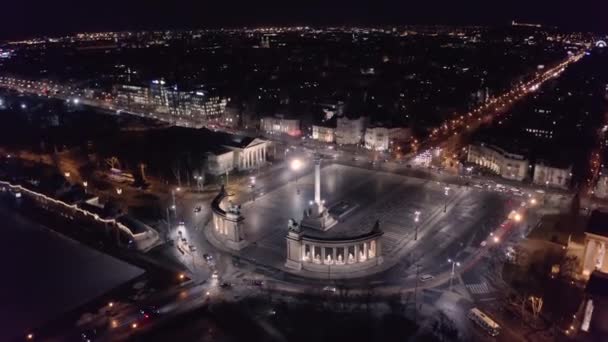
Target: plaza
point(377, 214)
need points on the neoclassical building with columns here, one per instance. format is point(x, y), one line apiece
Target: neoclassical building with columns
point(249, 153)
point(595, 256)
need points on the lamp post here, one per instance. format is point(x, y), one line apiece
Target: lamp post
point(446, 193)
point(252, 187)
point(416, 219)
point(295, 165)
point(199, 182)
point(454, 264)
point(85, 184)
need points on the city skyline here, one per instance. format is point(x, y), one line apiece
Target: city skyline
point(35, 17)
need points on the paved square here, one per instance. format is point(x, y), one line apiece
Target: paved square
point(390, 198)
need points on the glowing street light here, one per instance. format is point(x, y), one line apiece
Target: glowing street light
point(296, 164)
point(454, 265)
point(119, 191)
point(446, 193)
point(517, 217)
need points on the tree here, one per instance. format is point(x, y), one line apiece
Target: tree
point(569, 266)
point(113, 162)
point(445, 329)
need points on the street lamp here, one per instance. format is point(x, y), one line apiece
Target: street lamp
point(173, 195)
point(416, 219)
point(517, 217)
point(454, 264)
point(446, 193)
point(296, 165)
point(85, 184)
point(119, 191)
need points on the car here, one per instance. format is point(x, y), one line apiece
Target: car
point(197, 209)
point(330, 289)
point(88, 335)
point(149, 312)
point(181, 224)
point(208, 257)
point(192, 248)
point(426, 277)
point(226, 285)
point(258, 282)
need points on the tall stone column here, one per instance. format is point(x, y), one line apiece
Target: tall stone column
point(318, 181)
point(334, 255)
point(357, 253)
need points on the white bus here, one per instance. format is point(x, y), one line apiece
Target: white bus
point(484, 322)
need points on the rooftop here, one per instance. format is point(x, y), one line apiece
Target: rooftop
point(598, 284)
point(598, 223)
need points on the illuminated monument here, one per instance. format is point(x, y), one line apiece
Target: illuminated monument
point(317, 216)
point(337, 254)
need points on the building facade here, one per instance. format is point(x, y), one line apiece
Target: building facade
point(350, 131)
point(248, 153)
point(324, 133)
point(279, 125)
point(601, 188)
point(552, 176)
point(376, 138)
point(508, 165)
point(336, 257)
point(220, 162)
point(162, 99)
point(596, 243)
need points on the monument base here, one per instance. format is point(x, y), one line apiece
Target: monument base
point(235, 245)
point(294, 265)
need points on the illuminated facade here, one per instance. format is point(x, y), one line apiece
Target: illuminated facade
point(508, 165)
point(552, 176)
point(324, 133)
point(601, 188)
point(376, 138)
point(595, 256)
point(279, 125)
point(350, 131)
point(171, 101)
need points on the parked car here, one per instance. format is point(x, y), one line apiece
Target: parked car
point(426, 277)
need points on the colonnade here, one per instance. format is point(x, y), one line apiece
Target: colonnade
point(340, 255)
point(252, 157)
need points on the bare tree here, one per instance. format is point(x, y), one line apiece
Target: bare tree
point(113, 162)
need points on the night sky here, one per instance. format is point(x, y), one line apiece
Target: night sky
point(24, 18)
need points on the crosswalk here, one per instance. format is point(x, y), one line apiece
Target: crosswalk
point(480, 288)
